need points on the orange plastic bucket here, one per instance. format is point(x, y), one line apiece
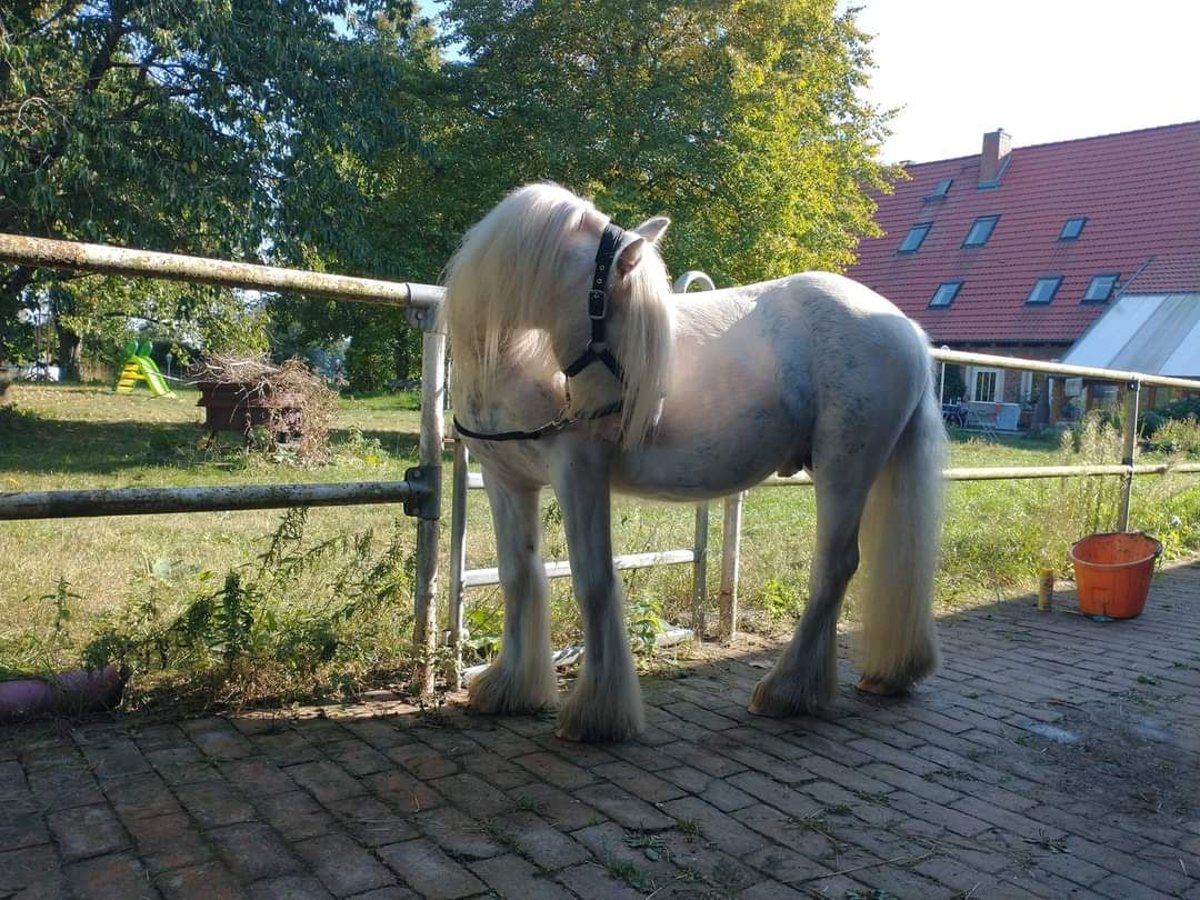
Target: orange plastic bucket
point(1112, 573)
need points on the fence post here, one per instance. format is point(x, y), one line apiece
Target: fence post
point(700, 546)
point(700, 572)
point(1132, 389)
point(433, 393)
point(458, 559)
point(731, 546)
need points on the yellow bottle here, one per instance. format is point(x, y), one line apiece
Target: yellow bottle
point(1045, 589)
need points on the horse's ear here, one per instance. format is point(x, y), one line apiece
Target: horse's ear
point(653, 229)
point(630, 256)
point(648, 232)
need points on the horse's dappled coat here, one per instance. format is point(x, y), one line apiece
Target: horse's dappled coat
point(721, 389)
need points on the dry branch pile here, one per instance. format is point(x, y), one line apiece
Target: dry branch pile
point(289, 402)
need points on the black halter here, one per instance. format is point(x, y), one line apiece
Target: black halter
point(597, 350)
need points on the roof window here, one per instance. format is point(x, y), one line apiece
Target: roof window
point(941, 189)
point(945, 293)
point(1044, 289)
point(981, 230)
point(916, 235)
point(1072, 228)
point(1101, 288)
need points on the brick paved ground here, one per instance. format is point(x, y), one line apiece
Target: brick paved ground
point(1051, 757)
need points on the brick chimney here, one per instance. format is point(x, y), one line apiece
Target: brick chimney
point(997, 148)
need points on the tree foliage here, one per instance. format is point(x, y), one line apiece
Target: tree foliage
point(233, 129)
point(739, 119)
point(332, 135)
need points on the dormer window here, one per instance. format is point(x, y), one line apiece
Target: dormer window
point(1044, 290)
point(1072, 228)
point(1101, 288)
point(981, 230)
point(916, 235)
point(945, 293)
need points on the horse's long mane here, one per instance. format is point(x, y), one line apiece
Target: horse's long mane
point(503, 286)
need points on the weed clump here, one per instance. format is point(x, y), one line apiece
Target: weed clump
point(306, 620)
point(1180, 436)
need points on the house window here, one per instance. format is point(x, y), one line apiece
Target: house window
point(913, 240)
point(981, 230)
point(941, 189)
point(1025, 392)
point(985, 385)
point(1071, 229)
point(1101, 288)
point(945, 293)
point(1044, 289)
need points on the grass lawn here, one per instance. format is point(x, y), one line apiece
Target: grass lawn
point(61, 437)
point(88, 437)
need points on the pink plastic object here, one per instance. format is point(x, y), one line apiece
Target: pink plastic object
point(71, 693)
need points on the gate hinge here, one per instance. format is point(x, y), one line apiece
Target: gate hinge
point(426, 499)
point(423, 318)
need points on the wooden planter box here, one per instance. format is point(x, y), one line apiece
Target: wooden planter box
point(230, 406)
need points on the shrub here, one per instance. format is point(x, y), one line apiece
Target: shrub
point(1151, 420)
point(1180, 436)
point(1081, 505)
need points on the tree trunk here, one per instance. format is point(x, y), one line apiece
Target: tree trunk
point(70, 353)
point(407, 353)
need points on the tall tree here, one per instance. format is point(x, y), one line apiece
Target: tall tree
point(203, 126)
point(739, 119)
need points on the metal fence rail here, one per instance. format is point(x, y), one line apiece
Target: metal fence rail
point(106, 259)
point(153, 501)
point(1018, 473)
point(986, 360)
point(561, 568)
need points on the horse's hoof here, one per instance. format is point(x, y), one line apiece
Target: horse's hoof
point(593, 730)
point(607, 735)
point(768, 700)
point(762, 703)
point(881, 688)
point(575, 724)
point(596, 735)
point(496, 691)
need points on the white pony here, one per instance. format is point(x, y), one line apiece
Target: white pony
point(685, 397)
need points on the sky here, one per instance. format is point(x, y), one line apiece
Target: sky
point(1043, 70)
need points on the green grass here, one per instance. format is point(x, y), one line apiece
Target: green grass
point(88, 437)
point(63, 580)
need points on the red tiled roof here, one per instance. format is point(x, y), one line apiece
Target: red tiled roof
point(1170, 274)
point(1140, 193)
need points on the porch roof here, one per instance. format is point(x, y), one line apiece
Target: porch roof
point(1158, 334)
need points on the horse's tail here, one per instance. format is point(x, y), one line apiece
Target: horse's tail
point(899, 540)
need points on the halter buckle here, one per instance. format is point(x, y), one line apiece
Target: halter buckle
point(597, 304)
